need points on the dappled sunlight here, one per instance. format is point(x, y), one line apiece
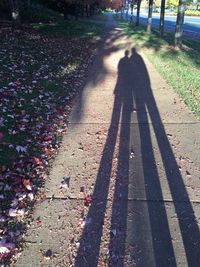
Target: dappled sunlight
point(70, 68)
point(43, 25)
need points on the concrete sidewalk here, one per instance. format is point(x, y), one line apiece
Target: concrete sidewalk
point(124, 189)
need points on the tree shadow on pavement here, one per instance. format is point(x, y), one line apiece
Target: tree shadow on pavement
point(137, 189)
point(98, 70)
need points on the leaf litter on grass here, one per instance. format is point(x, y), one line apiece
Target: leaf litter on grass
point(39, 77)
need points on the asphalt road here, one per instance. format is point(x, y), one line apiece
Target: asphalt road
point(191, 24)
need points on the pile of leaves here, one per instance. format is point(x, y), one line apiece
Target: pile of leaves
point(39, 77)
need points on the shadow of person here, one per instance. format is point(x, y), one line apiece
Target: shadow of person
point(123, 93)
point(131, 174)
point(123, 88)
point(147, 231)
point(150, 231)
point(140, 234)
point(89, 249)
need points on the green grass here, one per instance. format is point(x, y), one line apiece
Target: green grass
point(70, 28)
point(180, 68)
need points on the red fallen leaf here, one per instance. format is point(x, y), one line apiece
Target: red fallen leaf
point(44, 176)
point(48, 151)
point(47, 127)
point(81, 222)
point(26, 183)
point(173, 241)
point(101, 261)
point(48, 138)
point(43, 196)
point(40, 167)
point(1, 137)
point(36, 160)
point(38, 221)
point(87, 200)
point(3, 256)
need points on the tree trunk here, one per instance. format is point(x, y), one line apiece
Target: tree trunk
point(87, 10)
point(138, 13)
point(179, 23)
point(132, 5)
point(149, 22)
point(162, 18)
point(127, 8)
point(121, 12)
point(14, 5)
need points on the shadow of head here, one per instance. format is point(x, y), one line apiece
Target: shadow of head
point(127, 53)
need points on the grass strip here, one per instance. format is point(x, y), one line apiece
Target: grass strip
point(66, 28)
point(180, 68)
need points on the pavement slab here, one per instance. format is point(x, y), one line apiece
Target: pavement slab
point(124, 189)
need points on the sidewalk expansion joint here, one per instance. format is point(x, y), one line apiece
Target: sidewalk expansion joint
point(145, 123)
point(127, 199)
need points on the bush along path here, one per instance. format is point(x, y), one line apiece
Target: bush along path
point(124, 187)
point(40, 74)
